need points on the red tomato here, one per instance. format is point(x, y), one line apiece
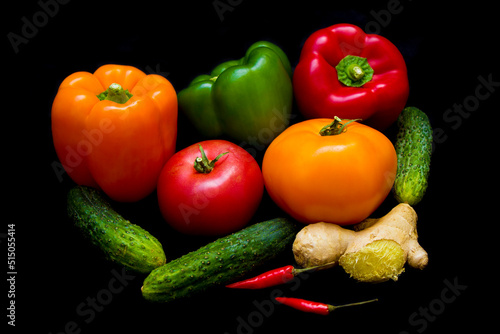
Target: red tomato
point(214, 203)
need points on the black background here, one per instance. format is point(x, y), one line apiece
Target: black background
point(447, 50)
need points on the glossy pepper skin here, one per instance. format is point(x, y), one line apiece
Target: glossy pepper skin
point(274, 277)
point(269, 278)
point(316, 307)
point(118, 145)
point(249, 99)
point(319, 92)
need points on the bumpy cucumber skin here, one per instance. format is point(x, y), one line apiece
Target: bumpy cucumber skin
point(414, 149)
point(221, 261)
point(122, 242)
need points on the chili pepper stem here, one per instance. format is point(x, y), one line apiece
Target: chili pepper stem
point(298, 271)
point(203, 165)
point(332, 308)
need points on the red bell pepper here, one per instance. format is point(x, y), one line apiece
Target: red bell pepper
point(346, 73)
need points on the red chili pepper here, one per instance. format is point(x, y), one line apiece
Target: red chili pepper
point(315, 307)
point(273, 277)
point(267, 279)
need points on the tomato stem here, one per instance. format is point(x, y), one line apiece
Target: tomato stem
point(203, 165)
point(336, 127)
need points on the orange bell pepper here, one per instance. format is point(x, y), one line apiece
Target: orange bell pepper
point(115, 129)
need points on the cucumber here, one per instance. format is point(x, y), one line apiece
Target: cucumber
point(220, 262)
point(121, 242)
point(414, 149)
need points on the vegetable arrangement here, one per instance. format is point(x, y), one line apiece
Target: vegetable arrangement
point(115, 134)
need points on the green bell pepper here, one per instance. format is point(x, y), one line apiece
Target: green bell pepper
point(249, 99)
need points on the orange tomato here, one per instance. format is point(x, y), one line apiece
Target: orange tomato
point(340, 178)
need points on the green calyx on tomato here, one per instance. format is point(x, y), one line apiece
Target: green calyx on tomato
point(336, 127)
point(203, 165)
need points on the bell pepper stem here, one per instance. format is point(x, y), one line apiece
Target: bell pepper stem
point(115, 93)
point(354, 71)
point(203, 165)
point(336, 127)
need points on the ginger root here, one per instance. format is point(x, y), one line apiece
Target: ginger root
point(375, 251)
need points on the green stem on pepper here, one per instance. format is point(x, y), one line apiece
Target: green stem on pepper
point(354, 71)
point(115, 93)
